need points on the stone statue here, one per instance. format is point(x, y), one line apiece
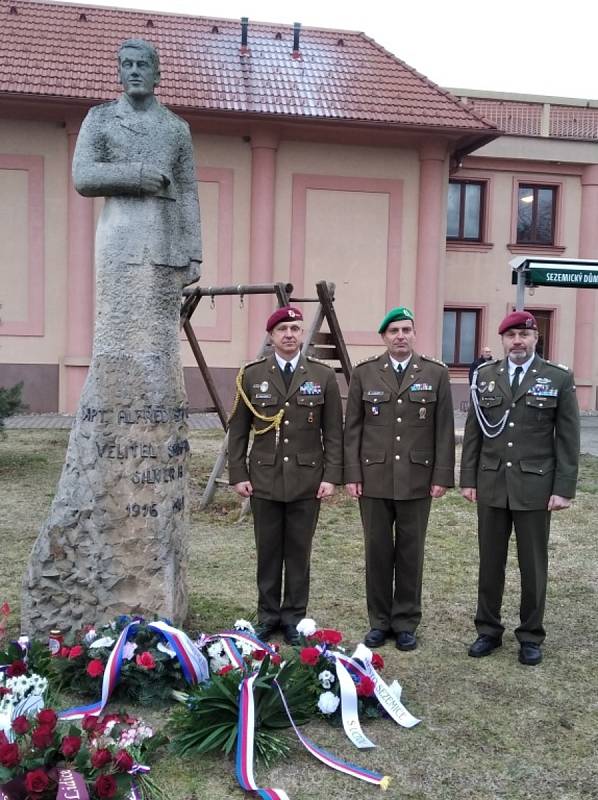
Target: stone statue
point(114, 541)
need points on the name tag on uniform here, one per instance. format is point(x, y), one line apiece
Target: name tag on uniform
point(421, 387)
point(263, 396)
point(374, 393)
point(309, 387)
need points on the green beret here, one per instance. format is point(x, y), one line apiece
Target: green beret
point(396, 314)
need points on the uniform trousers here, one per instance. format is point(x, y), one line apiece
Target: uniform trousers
point(395, 534)
point(532, 529)
point(283, 537)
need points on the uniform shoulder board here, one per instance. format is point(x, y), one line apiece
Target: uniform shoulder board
point(558, 366)
point(488, 363)
point(435, 360)
point(255, 361)
point(365, 360)
point(318, 361)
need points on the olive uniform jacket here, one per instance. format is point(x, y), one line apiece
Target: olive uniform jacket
point(399, 441)
point(537, 453)
point(310, 446)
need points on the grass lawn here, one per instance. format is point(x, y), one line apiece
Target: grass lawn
point(490, 728)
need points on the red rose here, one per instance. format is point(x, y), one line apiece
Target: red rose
point(42, 737)
point(365, 687)
point(4, 691)
point(20, 724)
point(3, 739)
point(377, 661)
point(276, 660)
point(329, 636)
point(90, 723)
point(258, 655)
point(123, 761)
point(47, 718)
point(225, 669)
point(95, 668)
point(309, 656)
point(105, 786)
point(76, 651)
point(100, 758)
point(145, 660)
point(64, 652)
point(16, 668)
point(9, 755)
point(36, 781)
point(70, 746)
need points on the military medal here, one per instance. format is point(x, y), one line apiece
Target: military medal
point(375, 410)
point(422, 413)
point(491, 386)
point(264, 386)
point(310, 416)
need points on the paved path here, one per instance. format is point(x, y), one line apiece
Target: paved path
point(589, 425)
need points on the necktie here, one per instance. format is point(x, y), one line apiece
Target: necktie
point(399, 373)
point(287, 374)
point(515, 381)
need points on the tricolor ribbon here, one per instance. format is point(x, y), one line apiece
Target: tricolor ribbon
point(192, 661)
point(246, 741)
point(388, 698)
point(229, 640)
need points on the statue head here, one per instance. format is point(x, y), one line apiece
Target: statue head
point(138, 68)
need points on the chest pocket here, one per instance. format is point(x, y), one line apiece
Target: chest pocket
point(490, 401)
point(422, 397)
point(542, 409)
point(309, 411)
point(377, 408)
point(263, 400)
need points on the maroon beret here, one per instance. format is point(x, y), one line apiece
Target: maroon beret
point(518, 319)
point(284, 314)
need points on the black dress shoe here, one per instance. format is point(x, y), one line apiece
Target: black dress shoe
point(264, 630)
point(375, 638)
point(290, 634)
point(529, 653)
point(484, 645)
point(406, 641)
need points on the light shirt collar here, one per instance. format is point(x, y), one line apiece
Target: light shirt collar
point(293, 362)
point(525, 366)
point(395, 363)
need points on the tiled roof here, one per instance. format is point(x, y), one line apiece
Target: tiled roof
point(561, 121)
point(68, 51)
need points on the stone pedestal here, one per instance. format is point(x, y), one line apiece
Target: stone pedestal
point(114, 541)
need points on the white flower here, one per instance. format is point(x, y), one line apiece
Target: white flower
point(328, 703)
point(362, 653)
point(216, 649)
point(246, 648)
point(307, 627)
point(90, 636)
point(326, 678)
point(105, 641)
point(243, 625)
point(129, 650)
point(164, 648)
point(217, 663)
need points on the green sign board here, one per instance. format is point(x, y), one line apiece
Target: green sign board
point(564, 274)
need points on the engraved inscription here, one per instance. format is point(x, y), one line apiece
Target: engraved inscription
point(163, 475)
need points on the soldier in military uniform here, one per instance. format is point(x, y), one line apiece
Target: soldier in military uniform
point(519, 462)
point(399, 454)
point(293, 404)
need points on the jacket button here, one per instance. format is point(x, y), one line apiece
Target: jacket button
point(397, 458)
point(287, 404)
point(509, 463)
point(311, 404)
point(286, 441)
point(399, 419)
point(512, 405)
point(509, 444)
point(427, 462)
point(286, 422)
point(511, 424)
point(540, 471)
point(286, 458)
point(423, 399)
point(398, 438)
point(399, 400)
point(367, 461)
point(541, 405)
